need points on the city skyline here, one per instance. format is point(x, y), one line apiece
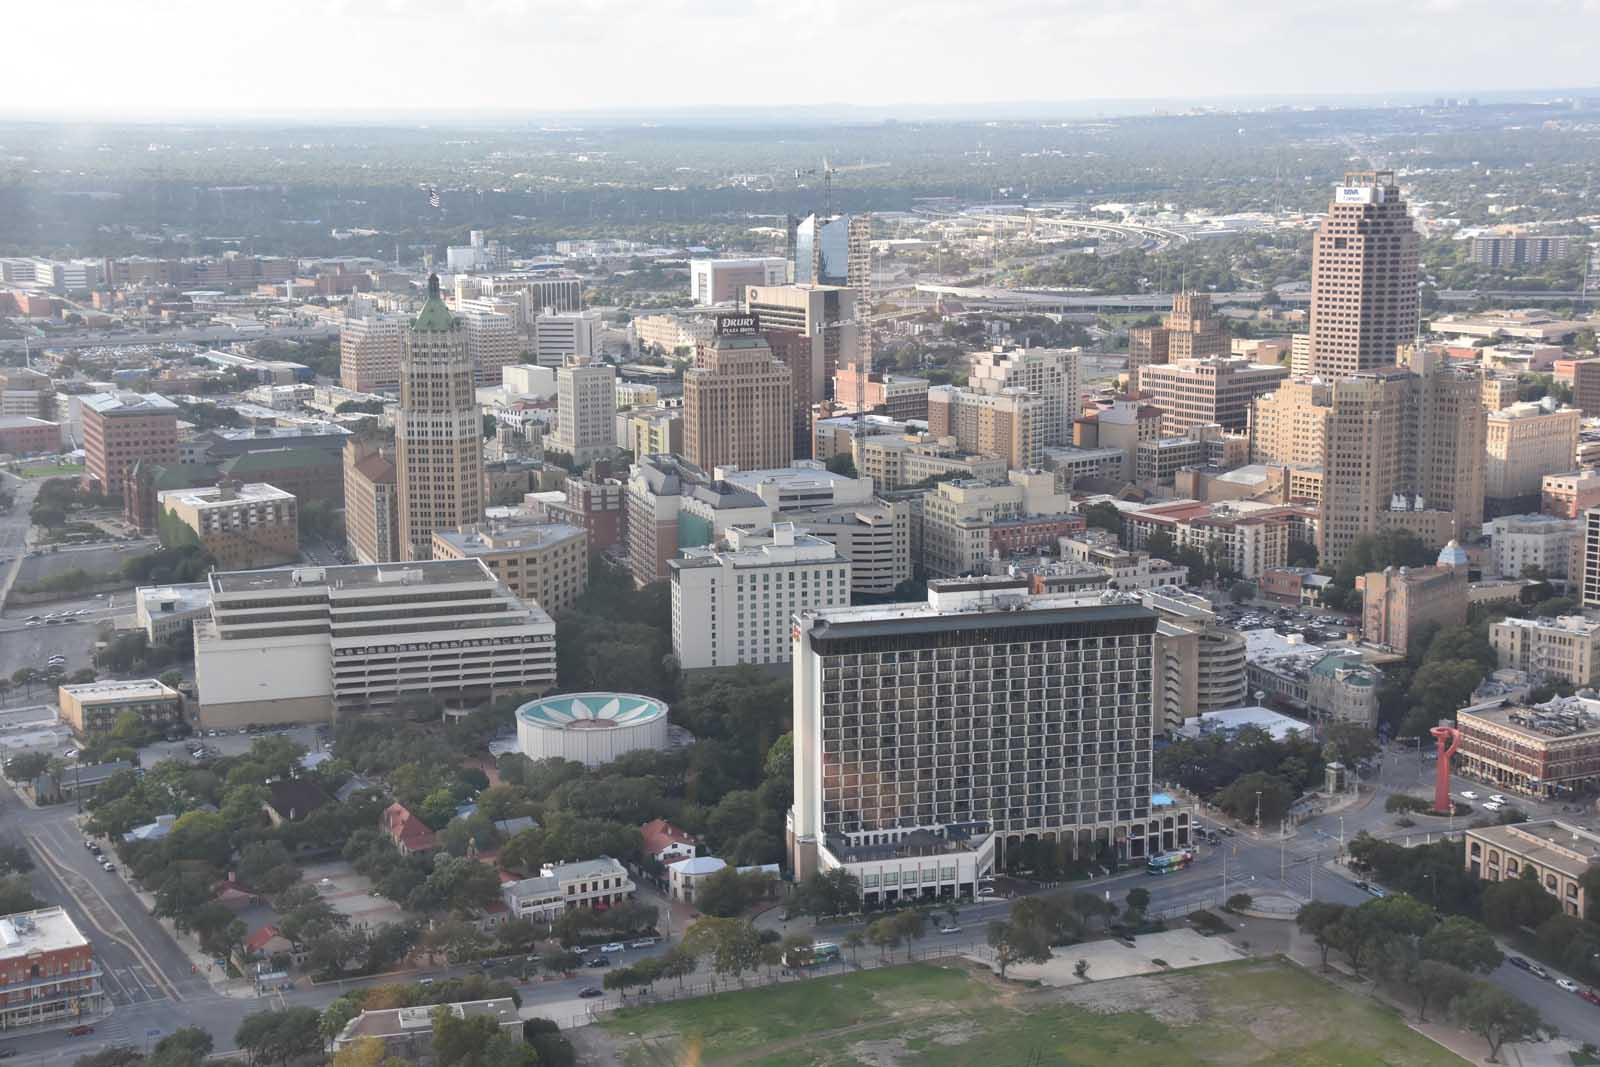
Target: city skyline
point(1011, 59)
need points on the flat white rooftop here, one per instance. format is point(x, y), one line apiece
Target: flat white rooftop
point(45, 930)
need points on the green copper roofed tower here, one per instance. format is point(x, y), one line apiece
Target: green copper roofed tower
point(434, 316)
point(438, 432)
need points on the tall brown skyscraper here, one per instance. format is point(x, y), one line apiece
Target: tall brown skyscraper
point(1363, 277)
point(438, 432)
point(738, 406)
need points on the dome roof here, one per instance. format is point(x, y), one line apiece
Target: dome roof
point(591, 711)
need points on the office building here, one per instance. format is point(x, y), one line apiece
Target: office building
point(560, 335)
point(819, 328)
point(119, 430)
point(875, 536)
point(804, 484)
point(672, 504)
point(1289, 426)
point(1548, 750)
point(966, 523)
point(928, 735)
point(1364, 302)
point(1518, 542)
point(1052, 373)
point(586, 408)
point(597, 883)
point(1190, 331)
point(897, 396)
point(834, 250)
point(652, 431)
point(894, 461)
point(1123, 425)
point(1218, 389)
point(723, 281)
point(597, 503)
point(493, 341)
point(369, 352)
point(1499, 251)
point(1008, 425)
point(1397, 602)
point(536, 291)
point(541, 563)
point(91, 709)
point(1525, 442)
point(733, 603)
point(166, 613)
point(371, 500)
point(669, 334)
point(1557, 855)
point(301, 644)
point(27, 393)
point(1399, 447)
point(1559, 649)
point(1568, 496)
point(738, 406)
point(438, 431)
point(242, 527)
point(24, 435)
point(48, 972)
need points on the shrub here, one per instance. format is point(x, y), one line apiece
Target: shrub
point(1238, 902)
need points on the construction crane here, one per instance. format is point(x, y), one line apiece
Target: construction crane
point(827, 172)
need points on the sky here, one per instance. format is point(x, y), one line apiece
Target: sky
point(332, 59)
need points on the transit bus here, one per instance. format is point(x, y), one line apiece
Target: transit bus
point(815, 956)
point(1169, 862)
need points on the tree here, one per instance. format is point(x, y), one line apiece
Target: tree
point(186, 1047)
point(1258, 798)
point(548, 1043)
point(1438, 982)
point(362, 1052)
point(842, 463)
point(1496, 1016)
point(722, 894)
point(886, 934)
point(1319, 918)
point(280, 1037)
point(1103, 515)
point(1238, 902)
point(1017, 943)
point(832, 893)
point(733, 945)
point(461, 1040)
point(1138, 897)
point(1464, 944)
point(1517, 902)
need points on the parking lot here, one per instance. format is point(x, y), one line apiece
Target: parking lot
point(230, 743)
point(1315, 624)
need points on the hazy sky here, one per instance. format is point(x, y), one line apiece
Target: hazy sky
point(329, 58)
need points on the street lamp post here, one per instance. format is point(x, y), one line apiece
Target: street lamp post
point(1258, 811)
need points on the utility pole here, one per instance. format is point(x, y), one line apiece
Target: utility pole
point(1258, 811)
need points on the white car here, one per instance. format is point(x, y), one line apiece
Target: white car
point(1492, 806)
point(949, 929)
point(1496, 798)
point(1467, 794)
point(612, 946)
point(1568, 984)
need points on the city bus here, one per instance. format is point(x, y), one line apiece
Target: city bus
point(818, 954)
point(1168, 862)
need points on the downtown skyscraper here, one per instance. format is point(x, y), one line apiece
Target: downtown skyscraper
point(1364, 302)
point(438, 431)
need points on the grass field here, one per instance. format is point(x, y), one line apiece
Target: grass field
point(1253, 1012)
point(51, 470)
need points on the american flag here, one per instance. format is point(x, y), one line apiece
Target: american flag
point(433, 197)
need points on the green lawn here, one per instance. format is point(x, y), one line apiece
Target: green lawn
point(51, 470)
point(1255, 1013)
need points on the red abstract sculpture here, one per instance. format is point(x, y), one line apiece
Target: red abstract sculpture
point(1449, 739)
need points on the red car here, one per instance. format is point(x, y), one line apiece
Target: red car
point(1590, 995)
point(80, 1031)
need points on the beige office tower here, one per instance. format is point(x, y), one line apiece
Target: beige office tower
point(1401, 446)
point(824, 316)
point(1363, 277)
point(369, 352)
point(493, 342)
point(586, 410)
point(1053, 373)
point(738, 406)
point(1191, 331)
point(438, 431)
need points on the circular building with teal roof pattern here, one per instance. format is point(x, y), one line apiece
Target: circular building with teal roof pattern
point(591, 728)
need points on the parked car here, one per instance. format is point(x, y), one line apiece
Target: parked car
point(424, 981)
point(1538, 971)
point(949, 929)
point(612, 946)
point(645, 942)
point(109, 867)
point(591, 991)
point(1496, 798)
point(1467, 794)
point(1568, 984)
point(1517, 961)
point(1375, 891)
point(82, 1030)
point(1590, 995)
point(598, 961)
